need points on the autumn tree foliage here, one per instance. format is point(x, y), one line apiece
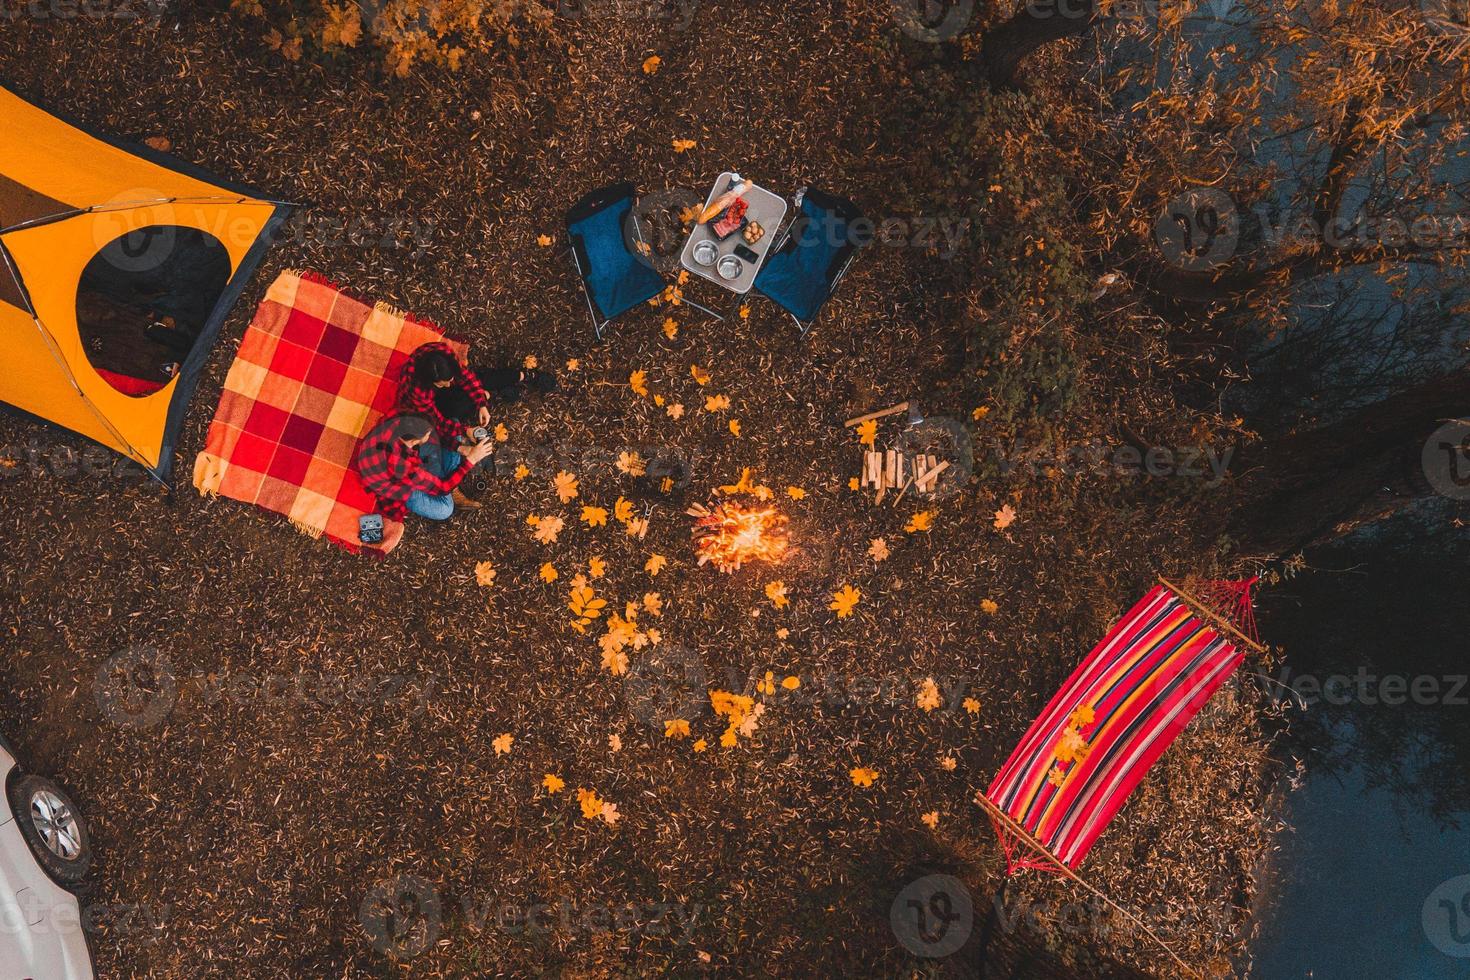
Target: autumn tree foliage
point(408, 32)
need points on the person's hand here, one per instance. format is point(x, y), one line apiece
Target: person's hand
point(485, 415)
point(480, 451)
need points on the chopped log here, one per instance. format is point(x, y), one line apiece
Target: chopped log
point(890, 468)
point(933, 475)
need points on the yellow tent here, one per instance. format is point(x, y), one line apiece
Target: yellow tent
point(120, 264)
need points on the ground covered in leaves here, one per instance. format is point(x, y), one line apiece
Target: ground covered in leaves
point(338, 723)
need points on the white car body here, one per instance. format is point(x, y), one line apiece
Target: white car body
point(41, 934)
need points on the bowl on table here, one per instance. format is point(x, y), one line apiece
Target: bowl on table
point(705, 253)
point(730, 267)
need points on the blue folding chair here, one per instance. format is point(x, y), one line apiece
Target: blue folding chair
point(811, 256)
point(614, 280)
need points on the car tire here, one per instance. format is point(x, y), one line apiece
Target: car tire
point(51, 825)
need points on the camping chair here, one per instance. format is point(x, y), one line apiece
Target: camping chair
point(614, 279)
point(811, 256)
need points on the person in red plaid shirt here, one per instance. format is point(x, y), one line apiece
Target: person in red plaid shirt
point(432, 368)
point(402, 464)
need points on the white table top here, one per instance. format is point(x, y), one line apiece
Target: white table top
point(765, 208)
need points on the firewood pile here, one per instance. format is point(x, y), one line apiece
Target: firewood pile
point(896, 469)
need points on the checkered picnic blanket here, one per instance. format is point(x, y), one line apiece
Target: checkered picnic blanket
point(316, 369)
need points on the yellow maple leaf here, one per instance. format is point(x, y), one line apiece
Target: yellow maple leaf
point(553, 783)
point(637, 527)
point(863, 776)
point(989, 607)
point(590, 803)
point(1004, 517)
point(776, 592)
point(615, 660)
point(650, 64)
point(653, 603)
point(655, 564)
point(501, 432)
point(681, 146)
point(852, 483)
point(928, 696)
point(745, 311)
point(596, 567)
point(1082, 716)
point(501, 743)
point(782, 633)
point(700, 375)
point(701, 745)
point(878, 549)
point(623, 509)
point(931, 819)
point(843, 601)
point(675, 411)
point(716, 403)
point(735, 427)
point(980, 413)
point(610, 814)
point(543, 240)
point(594, 516)
point(565, 485)
point(795, 493)
point(921, 521)
point(530, 363)
point(522, 471)
point(1057, 776)
point(948, 763)
point(631, 463)
point(548, 572)
point(972, 706)
point(614, 743)
point(574, 364)
point(638, 381)
point(867, 432)
point(671, 329)
point(485, 573)
point(677, 728)
point(658, 400)
point(547, 528)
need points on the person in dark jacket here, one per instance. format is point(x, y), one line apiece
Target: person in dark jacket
point(402, 464)
point(435, 367)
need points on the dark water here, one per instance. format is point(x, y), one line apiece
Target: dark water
point(1364, 883)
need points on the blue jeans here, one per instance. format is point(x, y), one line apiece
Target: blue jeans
point(443, 462)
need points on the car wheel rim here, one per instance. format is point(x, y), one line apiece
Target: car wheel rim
point(56, 824)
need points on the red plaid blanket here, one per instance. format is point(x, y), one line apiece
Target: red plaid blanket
point(316, 369)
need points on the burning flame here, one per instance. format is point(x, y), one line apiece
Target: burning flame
point(732, 533)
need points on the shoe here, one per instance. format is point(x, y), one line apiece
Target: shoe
point(462, 502)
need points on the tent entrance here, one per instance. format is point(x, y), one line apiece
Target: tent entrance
point(143, 301)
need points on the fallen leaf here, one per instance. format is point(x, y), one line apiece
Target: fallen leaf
point(655, 564)
point(522, 471)
point(671, 329)
point(594, 516)
point(931, 819)
point(863, 776)
point(680, 146)
point(615, 743)
point(735, 427)
point(922, 521)
point(543, 240)
point(596, 567)
point(1004, 517)
point(650, 64)
point(843, 601)
point(638, 381)
point(928, 696)
point(795, 493)
point(675, 411)
point(501, 743)
point(548, 528)
point(501, 432)
point(776, 592)
point(548, 572)
point(989, 607)
point(972, 706)
point(552, 783)
point(677, 728)
point(700, 375)
point(631, 464)
point(485, 573)
point(878, 549)
point(867, 432)
point(565, 485)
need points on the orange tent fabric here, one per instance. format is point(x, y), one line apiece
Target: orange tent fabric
point(72, 204)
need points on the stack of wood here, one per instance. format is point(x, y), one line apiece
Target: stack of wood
point(895, 469)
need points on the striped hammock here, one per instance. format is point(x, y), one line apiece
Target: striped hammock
point(1114, 717)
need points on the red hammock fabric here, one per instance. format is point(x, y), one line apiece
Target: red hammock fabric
point(1114, 717)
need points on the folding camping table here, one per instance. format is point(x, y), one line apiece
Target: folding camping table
point(766, 208)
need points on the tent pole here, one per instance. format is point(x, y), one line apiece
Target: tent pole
point(1024, 835)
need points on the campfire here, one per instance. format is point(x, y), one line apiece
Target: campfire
point(733, 533)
